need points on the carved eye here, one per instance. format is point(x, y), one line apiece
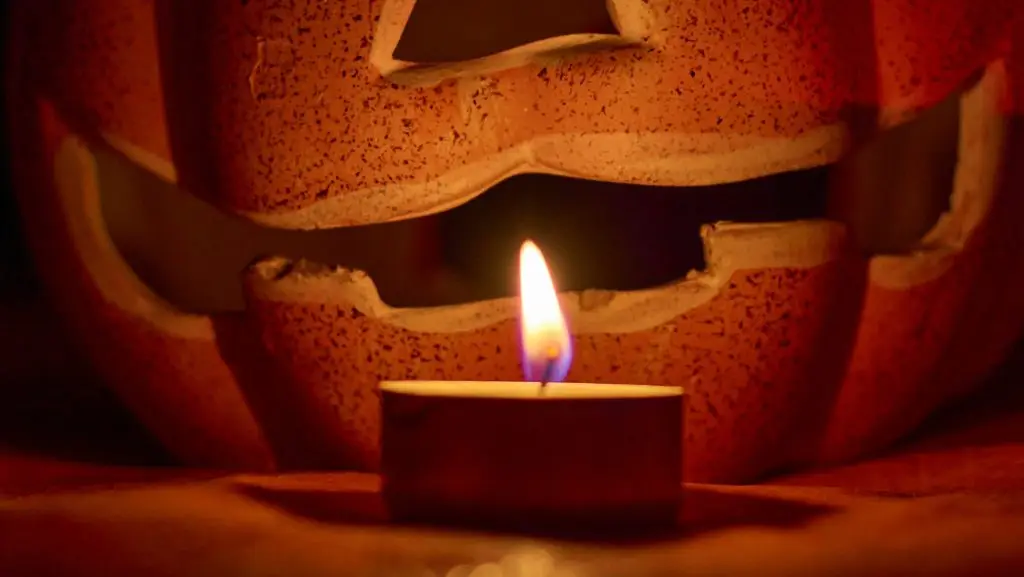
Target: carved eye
point(426, 41)
point(457, 30)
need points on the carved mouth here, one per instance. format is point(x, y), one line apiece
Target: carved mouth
point(597, 235)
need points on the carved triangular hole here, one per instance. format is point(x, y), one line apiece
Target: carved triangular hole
point(457, 30)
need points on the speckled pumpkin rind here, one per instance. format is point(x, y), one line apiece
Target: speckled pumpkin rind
point(298, 114)
point(101, 60)
point(188, 393)
point(927, 49)
point(749, 360)
point(924, 346)
point(920, 345)
point(181, 388)
point(992, 320)
point(828, 367)
point(890, 382)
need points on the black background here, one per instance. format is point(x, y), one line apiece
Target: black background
point(14, 262)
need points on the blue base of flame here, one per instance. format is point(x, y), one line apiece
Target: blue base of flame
point(534, 366)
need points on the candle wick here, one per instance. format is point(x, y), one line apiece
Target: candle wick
point(546, 377)
point(549, 367)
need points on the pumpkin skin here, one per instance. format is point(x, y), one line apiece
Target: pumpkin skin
point(793, 349)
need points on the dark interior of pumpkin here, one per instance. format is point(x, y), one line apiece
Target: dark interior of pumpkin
point(595, 235)
point(443, 31)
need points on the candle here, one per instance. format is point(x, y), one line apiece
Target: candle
point(538, 454)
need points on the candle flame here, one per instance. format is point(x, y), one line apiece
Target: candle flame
point(546, 346)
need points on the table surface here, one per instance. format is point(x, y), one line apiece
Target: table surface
point(335, 524)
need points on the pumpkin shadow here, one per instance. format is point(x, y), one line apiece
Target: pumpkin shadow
point(296, 442)
point(322, 498)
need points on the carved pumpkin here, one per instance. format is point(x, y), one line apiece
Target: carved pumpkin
point(283, 117)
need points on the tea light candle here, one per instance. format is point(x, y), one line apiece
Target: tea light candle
point(538, 454)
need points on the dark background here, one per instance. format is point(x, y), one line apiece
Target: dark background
point(14, 263)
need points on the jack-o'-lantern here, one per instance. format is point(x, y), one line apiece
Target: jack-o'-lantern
point(164, 146)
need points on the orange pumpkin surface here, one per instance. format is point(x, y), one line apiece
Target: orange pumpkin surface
point(283, 117)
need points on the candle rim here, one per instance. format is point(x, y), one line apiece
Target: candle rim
point(528, 390)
